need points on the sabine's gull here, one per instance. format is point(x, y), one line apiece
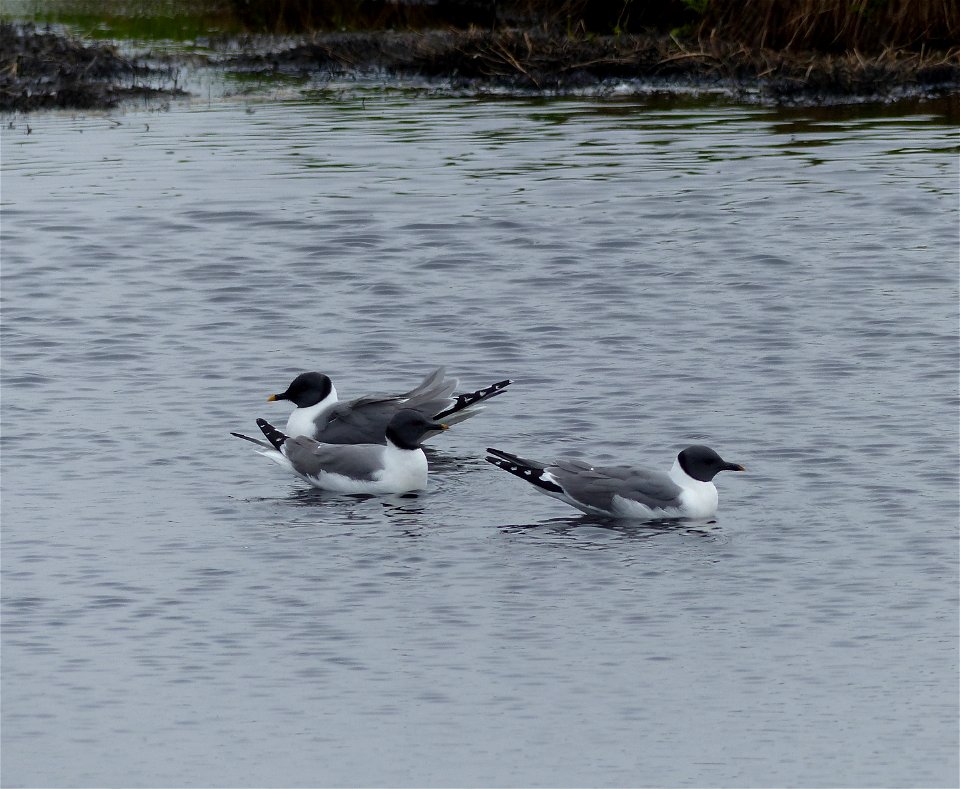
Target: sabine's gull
point(396, 466)
point(623, 491)
point(320, 416)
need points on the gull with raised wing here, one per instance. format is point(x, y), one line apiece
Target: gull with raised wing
point(320, 416)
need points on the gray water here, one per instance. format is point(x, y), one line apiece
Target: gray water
point(779, 285)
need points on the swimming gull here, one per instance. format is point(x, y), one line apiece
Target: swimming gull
point(623, 491)
point(396, 466)
point(319, 415)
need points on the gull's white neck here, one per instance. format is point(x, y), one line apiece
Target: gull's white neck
point(404, 468)
point(303, 421)
point(699, 499)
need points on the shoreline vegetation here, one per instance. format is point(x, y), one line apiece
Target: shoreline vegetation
point(772, 51)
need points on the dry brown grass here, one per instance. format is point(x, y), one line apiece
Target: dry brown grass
point(834, 26)
point(543, 61)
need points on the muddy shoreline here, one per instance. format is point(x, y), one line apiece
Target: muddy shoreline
point(44, 70)
point(537, 62)
point(41, 69)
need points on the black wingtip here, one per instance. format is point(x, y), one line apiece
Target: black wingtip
point(531, 471)
point(472, 398)
point(528, 471)
point(273, 435)
point(495, 389)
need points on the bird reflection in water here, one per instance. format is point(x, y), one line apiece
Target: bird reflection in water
point(633, 530)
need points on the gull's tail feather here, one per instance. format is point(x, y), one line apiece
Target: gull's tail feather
point(468, 404)
point(531, 471)
point(273, 452)
point(256, 441)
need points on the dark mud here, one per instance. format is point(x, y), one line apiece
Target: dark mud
point(43, 70)
point(539, 62)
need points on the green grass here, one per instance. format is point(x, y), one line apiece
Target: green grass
point(152, 20)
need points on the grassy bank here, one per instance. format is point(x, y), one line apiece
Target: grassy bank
point(782, 51)
point(527, 61)
point(804, 52)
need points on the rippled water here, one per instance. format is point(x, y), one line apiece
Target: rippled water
point(781, 286)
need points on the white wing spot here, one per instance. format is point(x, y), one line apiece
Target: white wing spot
point(527, 471)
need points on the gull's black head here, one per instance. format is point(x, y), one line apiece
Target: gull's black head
point(703, 463)
point(408, 426)
point(307, 389)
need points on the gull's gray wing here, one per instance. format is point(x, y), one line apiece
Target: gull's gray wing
point(433, 395)
point(309, 458)
point(365, 419)
point(362, 421)
point(596, 486)
point(435, 386)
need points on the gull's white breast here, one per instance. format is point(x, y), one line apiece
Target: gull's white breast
point(302, 421)
point(697, 499)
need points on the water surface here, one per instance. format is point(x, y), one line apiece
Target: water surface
point(781, 286)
